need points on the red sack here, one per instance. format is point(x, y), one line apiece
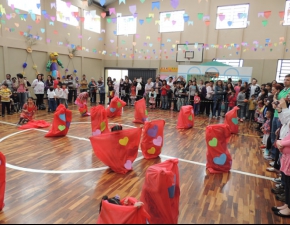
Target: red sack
point(119, 149)
point(99, 120)
point(161, 191)
point(231, 119)
point(120, 214)
point(61, 122)
point(152, 141)
point(141, 113)
point(186, 117)
point(84, 110)
point(2, 180)
point(115, 108)
point(218, 156)
point(35, 124)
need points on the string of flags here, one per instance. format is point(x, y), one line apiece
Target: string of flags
point(256, 46)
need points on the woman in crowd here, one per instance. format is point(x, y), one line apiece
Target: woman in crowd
point(38, 86)
point(21, 85)
point(93, 90)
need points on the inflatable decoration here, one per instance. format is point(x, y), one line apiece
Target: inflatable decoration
point(2, 180)
point(35, 124)
point(81, 102)
point(231, 119)
point(141, 113)
point(122, 214)
point(61, 122)
point(185, 117)
point(118, 149)
point(53, 64)
point(161, 192)
point(152, 141)
point(218, 157)
point(115, 108)
point(99, 120)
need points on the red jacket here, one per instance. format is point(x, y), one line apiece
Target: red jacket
point(164, 90)
point(232, 101)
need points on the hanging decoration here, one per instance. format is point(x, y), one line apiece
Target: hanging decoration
point(53, 64)
point(72, 49)
point(30, 41)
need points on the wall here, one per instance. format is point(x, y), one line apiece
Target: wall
point(13, 52)
point(263, 60)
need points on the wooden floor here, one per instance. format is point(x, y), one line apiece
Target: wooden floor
point(65, 197)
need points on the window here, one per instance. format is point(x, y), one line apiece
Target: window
point(171, 21)
point(31, 5)
point(126, 25)
point(283, 69)
point(234, 63)
point(234, 16)
point(92, 21)
point(287, 14)
point(67, 14)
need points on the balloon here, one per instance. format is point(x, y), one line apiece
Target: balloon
point(75, 71)
point(24, 65)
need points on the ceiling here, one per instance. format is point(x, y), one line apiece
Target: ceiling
point(108, 2)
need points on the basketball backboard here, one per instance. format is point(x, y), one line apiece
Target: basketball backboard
point(190, 52)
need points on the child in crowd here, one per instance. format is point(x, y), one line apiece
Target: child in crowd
point(181, 96)
point(14, 100)
point(51, 100)
point(28, 112)
point(252, 108)
point(176, 93)
point(232, 100)
point(196, 103)
point(133, 94)
point(260, 116)
point(266, 131)
point(5, 94)
point(241, 102)
point(111, 92)
point(152, 98)
point(58, 94)
point(64, 96)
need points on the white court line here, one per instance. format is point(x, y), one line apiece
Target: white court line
point(138, 159)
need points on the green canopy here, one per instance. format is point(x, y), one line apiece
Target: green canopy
point(214, 63)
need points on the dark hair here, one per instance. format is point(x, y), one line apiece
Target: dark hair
point(278, 87)
point(6, 85)
point(113, 200)
point(242, 89)
point(288, 75)
point(206, 82)
point(253, 96)
point(19, 75)
point(116, 128)
point(165, 82)
point(51, 88)
point(182, 83)
point(255, 80)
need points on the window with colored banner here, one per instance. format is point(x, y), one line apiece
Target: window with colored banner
point(92, 21)
point(233, 16)
point(32, 6)
point(232, 62)
point(67, 13)
point(126, 25)
point(171, 21)
point(283, 69)
point(287, 13)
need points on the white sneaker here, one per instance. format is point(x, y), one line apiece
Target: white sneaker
point(277, 180)
point(267, 157)
point(272, 164)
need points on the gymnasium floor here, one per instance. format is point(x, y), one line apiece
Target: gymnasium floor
point(60, 180)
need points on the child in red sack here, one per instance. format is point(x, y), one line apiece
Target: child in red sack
point(28, 112)
point(125, 202)
point(112, 211)
point(111, 92)
point(81, 102)
point(232, 100)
